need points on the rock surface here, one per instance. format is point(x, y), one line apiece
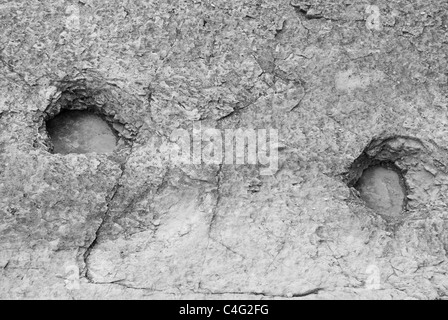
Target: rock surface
point(337, 79)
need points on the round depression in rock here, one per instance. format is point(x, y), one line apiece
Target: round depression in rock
point(80, 132)
point(382, 190)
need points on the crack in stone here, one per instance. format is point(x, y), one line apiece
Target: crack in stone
point(119, 283)
point(282, 246)
point(309, 292)
point(115, 189)
point(266, 294)
point(237, 110)
point(218, 197)
point(233, 112)
point(213, 218)
point(6, 265)
point(89, 249)
point(228, 248)
point(300, 101)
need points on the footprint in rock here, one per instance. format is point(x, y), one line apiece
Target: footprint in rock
point(81, 132)
point(382, 190)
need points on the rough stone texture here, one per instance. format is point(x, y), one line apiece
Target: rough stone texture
point(134, 225)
